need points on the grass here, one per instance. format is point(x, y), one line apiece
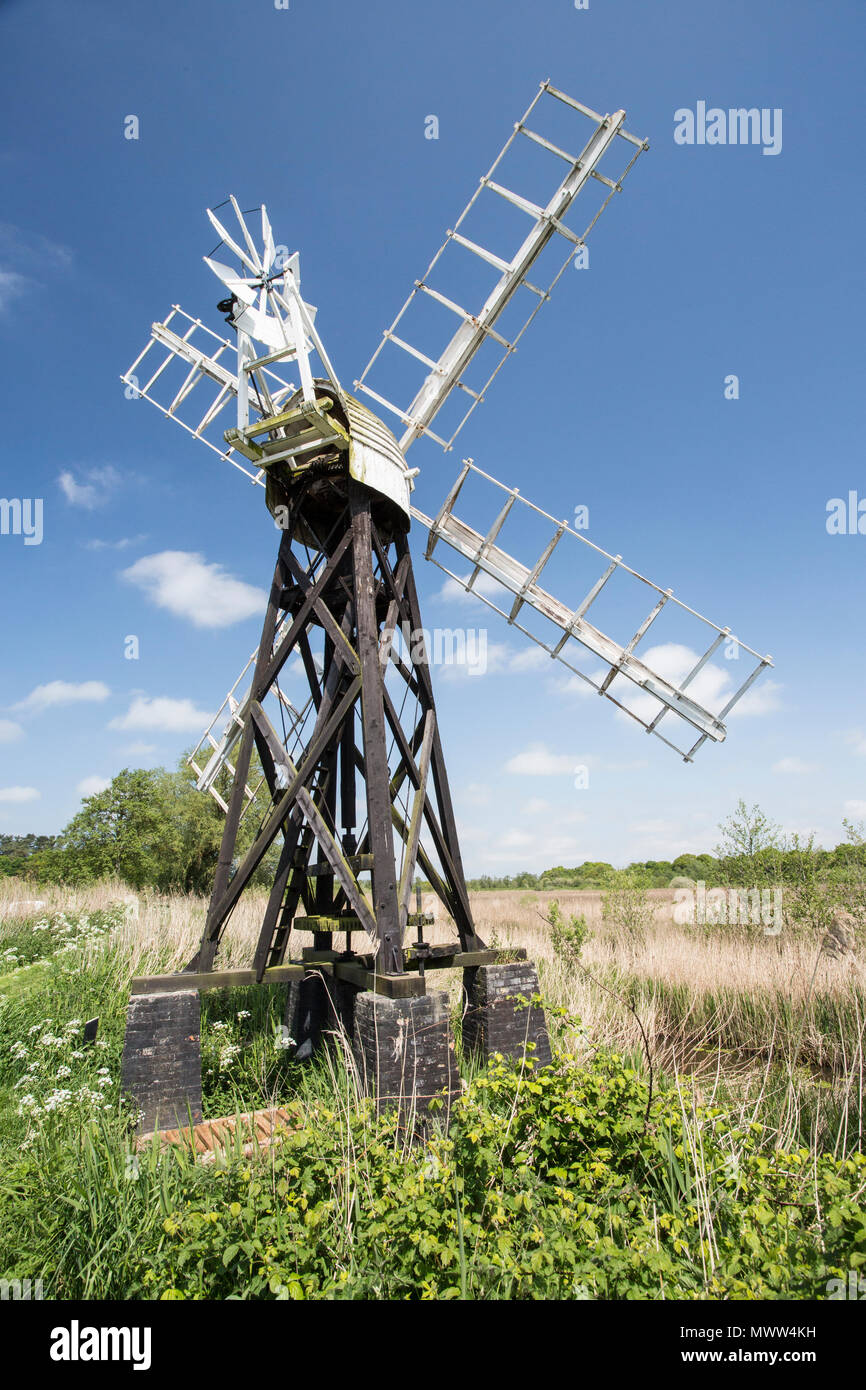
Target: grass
point(546, 1187)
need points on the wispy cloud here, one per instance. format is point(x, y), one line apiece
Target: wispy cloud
point(62, 693)
point(122, 544)
point(484, 586)
point(10, 731)
point(187, 586)
point(794, 766)
point(32, 249)
point(712, 687)
point(98, 484)
point(12, 286)
point(539, 761)
point(19, 794)
point(89, 786)
point(162, 712)
point(24, 259)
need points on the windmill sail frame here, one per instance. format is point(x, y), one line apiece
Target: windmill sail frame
point(522, 581)
point(445, 374)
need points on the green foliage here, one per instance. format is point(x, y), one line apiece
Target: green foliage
point(551, 1183)
point(149, 828)
point(626, 907)
point(567, 938)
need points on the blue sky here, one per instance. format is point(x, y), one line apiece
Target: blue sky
point(715, 260)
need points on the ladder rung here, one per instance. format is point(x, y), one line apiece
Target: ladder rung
point(602, 178)
point(576, 105)
point(442, 299)
point(467, 318)
point(593, 115)
point(407, 347)
point(566, 232)
point(477, 250)
point(546, 144)
point(532, 209)
point(395, 410)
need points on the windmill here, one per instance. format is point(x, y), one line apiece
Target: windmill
point(352, 778)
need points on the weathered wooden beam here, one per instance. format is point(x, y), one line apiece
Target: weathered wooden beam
point(358, 863)
point(457, 959)
point(415, 819)
point(213, 979)
point(405, 986)
point(385, 905)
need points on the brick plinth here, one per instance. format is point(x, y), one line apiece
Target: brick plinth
point(161, 1065)
point(496, 1021)
point(404, 1050)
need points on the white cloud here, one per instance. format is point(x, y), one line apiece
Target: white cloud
point(465, 653)
point(162, 712)
point(12, 286)
point(573, 685)
point(856, 808)
point(654, 827)
point(530, 659)
point(763, 698)
point(712, 687)
point(123, 544)
point(89, 786)
point(63, 693)
point(92, 493)
point(19, 794)
point(858, 739)
point(793, 765)
point(537, 806)
point(519, 849)
point(516, 839)
point(484, 585)
point(32, 248)
point(33, 253)
point(138, 750)
point(189, 587)
point(538, 761)
point(9, 731)
point(476, 793)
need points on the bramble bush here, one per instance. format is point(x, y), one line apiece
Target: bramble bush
point(549, 1184)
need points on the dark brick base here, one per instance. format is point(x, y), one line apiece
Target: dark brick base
point(404, 1050)
point(495, 1021)
point(161, 1066)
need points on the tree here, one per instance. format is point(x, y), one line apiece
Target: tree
point(747, 832)
point(626, 906)
point(126, 831)
point(751, 848)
